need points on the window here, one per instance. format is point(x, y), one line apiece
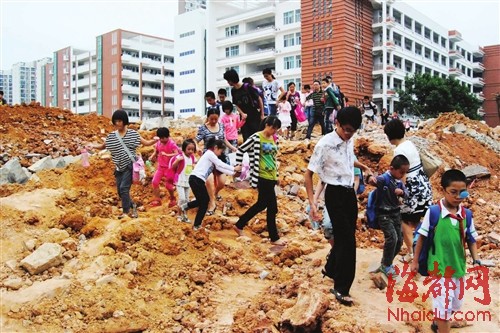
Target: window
point(297, 81)
point(288, 17)
point(408, 44)
point(236, 68)
point(418, 28)
point(187, 91)
point(288, 40)
point(298, 38)
point(418, 49)
point(289, 62)
point(186, 34)
point(191, 71)
point(443, 42)
point(183, 54)
point(232, 30)
point(187, 110)
point(427, 33)
point(358, 9)
point(297, 15)
point(298, 61)
point(232, 51)
point(114, 67)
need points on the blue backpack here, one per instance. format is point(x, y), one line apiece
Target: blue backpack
point(428, 245)
point(373, 201)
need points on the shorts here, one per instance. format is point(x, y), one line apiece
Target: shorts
point(413, 219)
point(444, 306)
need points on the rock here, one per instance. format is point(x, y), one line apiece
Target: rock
point(487, 263)
point(380, 280)
point(14, 283)
point(47, 141)
point(12, 172)
point(310, 306)
point(55, 235)
point(199, 277)
point(58, 162)
point(30, 244)
point(476, 171)
point(245, 197)
point(481, 202)
point(31, 155)
point(12, 264)
point(294, 190)
point(46, 256)
point(105, 279)
point(44, 163)
point(493, 237)
point(377, 149)
point(70, 244)
point(458, 128)
point(71, 159)
point(155, 123)
point(35, 178)
point(131, 267)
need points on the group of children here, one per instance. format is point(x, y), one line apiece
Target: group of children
point(334, 161)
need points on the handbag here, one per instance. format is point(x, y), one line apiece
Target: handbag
point(138, 170)
point(299, 112)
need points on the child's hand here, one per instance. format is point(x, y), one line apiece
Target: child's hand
point(156, 138)
point(163, 153)
point(414, 265)
point(372, 180)
point(314, 214)
point(399, 191)
point(237, 168)
point(180, 157)
point(234, 149)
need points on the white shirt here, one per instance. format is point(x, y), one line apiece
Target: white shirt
point(185, 172)
point(408, 150)
point(424, 229)
point(271, 90)
point(333, 160)
point(206, 165)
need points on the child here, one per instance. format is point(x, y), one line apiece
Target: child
point(284, 109)
point(165, 149)
point(231, 123)
point(122, 145)
point(450, 235)
point(262, 148)
point(389, 188)
point(183, 165)
point(333, 161)
point(198, 178)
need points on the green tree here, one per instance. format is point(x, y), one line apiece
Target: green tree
point(428, 96)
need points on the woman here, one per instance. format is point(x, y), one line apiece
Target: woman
point(417, 183)
point(293, 97)
point(262, 148)
point(272, 90)
point(213, 129)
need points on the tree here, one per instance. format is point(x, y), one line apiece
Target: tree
point(428, 96)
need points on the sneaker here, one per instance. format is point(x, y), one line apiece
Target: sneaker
point(388, 270)
point(200, 228)
point(134, 214)
point(185, 219)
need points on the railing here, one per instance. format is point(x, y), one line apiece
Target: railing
point(258, 29)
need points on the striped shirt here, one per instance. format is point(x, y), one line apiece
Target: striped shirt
point(205, 134)
point(252, 147)
point(119, 156)
point(318, 104)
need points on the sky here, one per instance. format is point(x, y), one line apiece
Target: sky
point(34, 29)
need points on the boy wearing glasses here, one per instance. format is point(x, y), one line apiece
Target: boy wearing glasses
point(451, 233)
point(333, 160)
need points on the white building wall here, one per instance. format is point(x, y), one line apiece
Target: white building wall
point(84, 82)
point(190, 65)
point(23, 82)
point(6, 84)
point(39, 64)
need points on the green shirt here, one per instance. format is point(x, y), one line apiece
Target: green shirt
point(267, 160)
point(449, 250)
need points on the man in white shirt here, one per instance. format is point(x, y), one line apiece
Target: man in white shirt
point(333, 160)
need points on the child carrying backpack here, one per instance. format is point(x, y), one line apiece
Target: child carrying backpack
point(440, 248)
point(387, 209)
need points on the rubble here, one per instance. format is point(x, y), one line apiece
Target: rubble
point(46, 256)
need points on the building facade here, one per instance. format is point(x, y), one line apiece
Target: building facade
point(189, 5)
point(6, 85)
point(491, 104)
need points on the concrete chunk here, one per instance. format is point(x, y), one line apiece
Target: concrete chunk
point(44, 163)
point(46, 256)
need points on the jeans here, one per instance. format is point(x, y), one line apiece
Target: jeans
point(315, 118)
point(200, 192)
point(272, 109)
point(390, 224)
point(342, 206)
point(123, 183)
point(328, 123)
point(294, 119)
point(308, 111)
point(266, 199)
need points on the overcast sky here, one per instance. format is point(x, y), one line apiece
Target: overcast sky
point(34, 29)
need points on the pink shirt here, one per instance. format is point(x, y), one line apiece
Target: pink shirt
point(231, 124)
point(169, 148)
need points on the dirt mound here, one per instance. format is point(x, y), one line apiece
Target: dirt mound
point(153, 274)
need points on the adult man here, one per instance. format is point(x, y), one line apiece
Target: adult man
point(248, 103)
point(317, 113)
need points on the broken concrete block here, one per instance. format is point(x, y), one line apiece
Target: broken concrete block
point(14, 172)
point(58, 162)
point(307, 312)
point(294, 190)
point(44, 163)
point(493, 237)
point(14, 283)
point(46, 256)
point(458, 128)
point(71, 159)
point(105, 280)
point(476, 171)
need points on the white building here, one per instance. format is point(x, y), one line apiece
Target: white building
point(189, 5)
point(190, 67)
point(6, 85)
point(83, 82)
point(250, 36)
point(24, 82)
point(407, 42)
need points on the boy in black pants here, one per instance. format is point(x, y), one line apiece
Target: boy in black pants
point(389, 188)
point(333, 160)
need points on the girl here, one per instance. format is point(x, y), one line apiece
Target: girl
point(231, 123)
point(273, 90)
point(165, 149)
point(293, 98)
point(213, 129)
point(183, 166)
point(262, 148)
point(284, 109)
point(198, 178)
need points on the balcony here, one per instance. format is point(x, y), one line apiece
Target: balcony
point(477, 81)
point(481, 112)
point(127, 74)
point(390, 45)
point(477, 67)
point(454, 36)
point(390, 69)
point(480, 96)
point(479, 52)
point(454, 54)
point(391, 92)
point(377, 46)
point(249, 36)
point(455, 71)
point(257, 55)
point(128, 89)
point(378, 69)
point(130, 104)
point(264, 11)
point(390, 21)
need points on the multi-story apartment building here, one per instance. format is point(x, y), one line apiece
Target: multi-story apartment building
point(492, 85)
point(6, 85)
point(407, 42)
point(190, 67)
point(26, 81)
point(250, 36)
point(135, 72)
point(189, 5)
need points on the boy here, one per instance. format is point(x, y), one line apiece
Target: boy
point(450, 235)
point(222, 94)
point(389, 188)
point(122, 144)
point(211, 101)
point(333, 161)
point(369, 108)
point(331, 104)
